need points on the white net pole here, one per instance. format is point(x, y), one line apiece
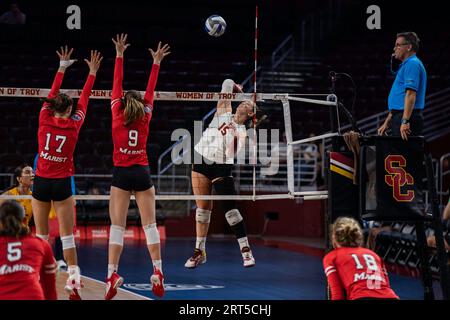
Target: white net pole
point(254, 100)
point(290, 153)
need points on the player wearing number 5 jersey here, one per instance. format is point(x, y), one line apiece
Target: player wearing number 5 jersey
point(27, 266)
point(131, 115)
point(57, 137)
point(354, 272)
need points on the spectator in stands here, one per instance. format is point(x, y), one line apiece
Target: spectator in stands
point(313, 155)
point(407, 97)
point(354, 272)
point(131, 115)
point(13, 16)
point(95, 204)
point(28, 267)
point(431, 240)
point(375, 228)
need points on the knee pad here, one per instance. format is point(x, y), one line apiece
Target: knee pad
point(42, 236)
point(68, 242)
point(151, 233)
point(233, 217)
point(202, 215)
point(116, 235)
point(225, 186)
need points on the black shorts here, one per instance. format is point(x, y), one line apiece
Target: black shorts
point(134, 178)
point(415, 122)
point(52, 189)
point(214, 170)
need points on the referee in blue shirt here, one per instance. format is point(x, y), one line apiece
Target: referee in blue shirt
point(407, 97)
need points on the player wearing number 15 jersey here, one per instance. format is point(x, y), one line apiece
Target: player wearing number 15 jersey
point(354, 272)
point(57, 138)
point(213, 162)
point(131, 115)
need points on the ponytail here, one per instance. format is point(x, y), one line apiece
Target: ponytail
point(11, 217)
point(260, 116)
point(134, 107)
point(347, 232)
point(60, 103)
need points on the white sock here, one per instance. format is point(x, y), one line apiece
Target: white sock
point(243, 242)
point(200, 243)
point(112, 268)
point(157, 264)
point(74, 271)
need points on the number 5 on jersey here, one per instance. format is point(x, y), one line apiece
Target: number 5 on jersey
point(57, 138)
point(14, 252)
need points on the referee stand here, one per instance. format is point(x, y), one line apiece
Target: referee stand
point(389, 186)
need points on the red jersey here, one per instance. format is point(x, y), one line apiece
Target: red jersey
point(130, 142)
point(27, 269)
point(58, 137)
point(356, 272)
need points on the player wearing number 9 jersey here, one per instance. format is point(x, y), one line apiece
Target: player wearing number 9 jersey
point(354, 272)
point(131, 115)
point(57, 137)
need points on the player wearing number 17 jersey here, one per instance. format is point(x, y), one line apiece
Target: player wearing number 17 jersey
point(354, 272)
point(57, 138)
point(131, 115)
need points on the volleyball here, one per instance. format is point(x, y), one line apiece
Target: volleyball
point(215, 26)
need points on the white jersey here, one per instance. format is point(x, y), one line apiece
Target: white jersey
point(222, 140)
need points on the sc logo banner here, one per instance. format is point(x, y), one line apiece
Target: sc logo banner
point(397, 178)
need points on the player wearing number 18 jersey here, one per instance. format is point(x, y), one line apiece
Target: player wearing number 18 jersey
point(354, 272)
point(57, 137)
point(131, 115)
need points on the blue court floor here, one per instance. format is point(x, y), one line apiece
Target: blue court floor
point(278, 275)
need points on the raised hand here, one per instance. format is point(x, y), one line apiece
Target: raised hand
point(64, 58)
point(120, 44)
point(238, 88)
point(160, 53)
point(95, 61)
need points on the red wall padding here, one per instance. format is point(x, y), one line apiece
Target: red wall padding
point(295, 219)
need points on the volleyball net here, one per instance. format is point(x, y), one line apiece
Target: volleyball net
point(276, 161)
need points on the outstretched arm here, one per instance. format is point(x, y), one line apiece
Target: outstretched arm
point(64, 62)
point(228, 86)
point(158, 56)
point(336, 289)
point(94, 65)
point(121, 46)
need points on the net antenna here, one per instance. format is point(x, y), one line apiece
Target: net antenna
point(254, 102)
